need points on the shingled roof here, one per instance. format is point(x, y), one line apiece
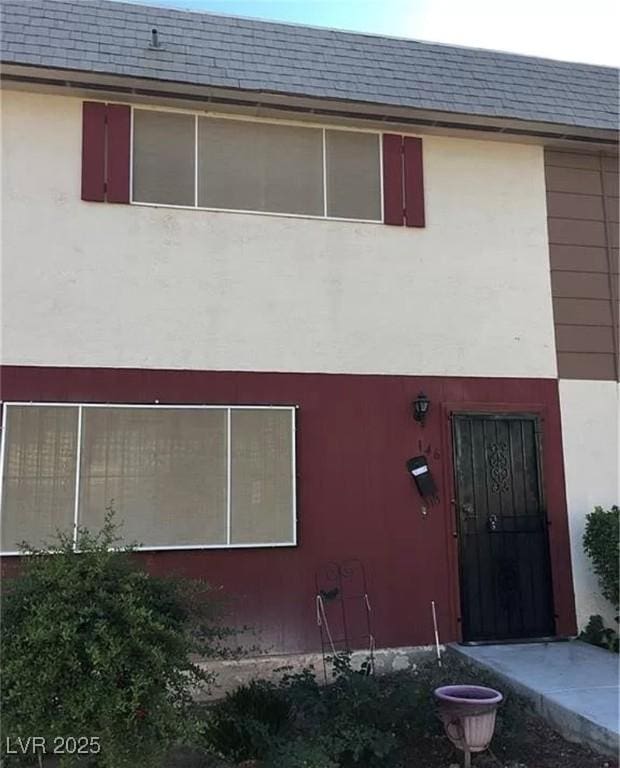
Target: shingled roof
point(105, 36)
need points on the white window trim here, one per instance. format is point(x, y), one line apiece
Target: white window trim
point(269, 121)
point(167, 406)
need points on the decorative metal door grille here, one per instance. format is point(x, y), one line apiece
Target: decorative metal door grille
point(497, 457)
point(504, 554)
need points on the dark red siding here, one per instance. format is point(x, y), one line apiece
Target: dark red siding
point(393, 207)
point(414, 182)
point(355, 498)
point(119, 128)
point(93, 151)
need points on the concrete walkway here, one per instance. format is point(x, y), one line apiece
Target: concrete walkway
point(574, 686)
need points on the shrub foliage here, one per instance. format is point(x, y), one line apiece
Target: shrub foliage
point(601, 542)
point(93, 646)
point(596, 633)
point(357, 721)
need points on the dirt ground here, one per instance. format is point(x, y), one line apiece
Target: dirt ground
point(522, 739)
point(534, 745)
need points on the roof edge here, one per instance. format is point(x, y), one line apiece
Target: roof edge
point(125, 86)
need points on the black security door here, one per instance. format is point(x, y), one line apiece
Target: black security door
point(504, 553)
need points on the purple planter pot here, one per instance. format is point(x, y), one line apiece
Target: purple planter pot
point(468, 714)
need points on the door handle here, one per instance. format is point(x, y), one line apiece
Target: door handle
point(492, 522)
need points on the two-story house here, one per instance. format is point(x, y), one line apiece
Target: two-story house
point(287, 298)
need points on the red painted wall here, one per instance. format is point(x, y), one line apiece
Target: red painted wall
point(355, 498)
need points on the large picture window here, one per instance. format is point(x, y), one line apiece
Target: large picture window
point(177, 477)
point(243, 165)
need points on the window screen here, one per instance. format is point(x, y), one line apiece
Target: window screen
point(262, 482)
point(176, 477)
point(163, 471)
point(243, 165)
point(38, 493)
point(353, 175)
point(260, 167)
point(163, 157)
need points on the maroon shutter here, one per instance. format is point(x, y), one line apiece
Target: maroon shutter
point(392, 179)
point(414, 182)
point(119, 128)
point(93, 151)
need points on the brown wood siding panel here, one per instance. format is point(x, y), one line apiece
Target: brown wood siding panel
point(573, 180)
point(578, 257)
point(572, 232)
point(611, 184)
point(612, 208)
point(566, 205)
point(580, 285)
point(579, 365)
point(582, 311)
point(572, 160)
point(582, 210)
point(584, 338)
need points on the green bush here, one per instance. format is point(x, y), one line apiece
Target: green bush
point(596, 633)
point(357, 721)
point(356, 717)
point(300, 752)
point(248, 721)
point(601, 542)
point(93, 646)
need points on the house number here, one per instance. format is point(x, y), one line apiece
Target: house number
point(429, 450)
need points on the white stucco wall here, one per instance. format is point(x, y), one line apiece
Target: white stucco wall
point(112, 285)
point(591, 432)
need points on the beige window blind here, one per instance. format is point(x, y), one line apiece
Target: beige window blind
point(261, 477)
point(353, 175)
point(162, 470)
point(163, 157)
point(177, 477)
point(260, 167)
point(38, 489)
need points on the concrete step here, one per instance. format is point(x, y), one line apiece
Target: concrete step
point(572, 685)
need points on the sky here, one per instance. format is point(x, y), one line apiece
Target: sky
point(573, 30)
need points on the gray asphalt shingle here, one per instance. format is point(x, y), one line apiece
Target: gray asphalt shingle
point(106, 36)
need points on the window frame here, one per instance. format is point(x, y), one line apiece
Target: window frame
point(292, 409)
point(270, 121)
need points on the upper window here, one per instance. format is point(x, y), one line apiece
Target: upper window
point(177, 477)
point(189, 160)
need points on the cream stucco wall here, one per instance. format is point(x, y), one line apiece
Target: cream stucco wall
point(591, 436)
point(112, 285)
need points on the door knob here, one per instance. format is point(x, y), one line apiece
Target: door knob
point(492, 521)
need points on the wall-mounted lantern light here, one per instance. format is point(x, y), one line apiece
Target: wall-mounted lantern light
point(420, 407)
